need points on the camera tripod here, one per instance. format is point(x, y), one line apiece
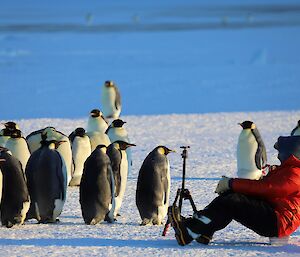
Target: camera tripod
point(182, 193)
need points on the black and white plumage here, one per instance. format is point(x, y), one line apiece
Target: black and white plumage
point(14, 194)
point(51, 134)
point(251, 152)
point(111, 100)
point(153, 187)
point(115, 132)
point(96, 192)
point(118, 157)
point(12, 139)
point(81, 150)
point(47, 182)
point(96, 122)
point(296, 130)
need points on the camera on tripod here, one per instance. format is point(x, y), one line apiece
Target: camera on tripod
point(182, 193)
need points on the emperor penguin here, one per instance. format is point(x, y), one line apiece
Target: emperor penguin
point(96, 127)
point(153, 187)
point(81, 150)
point(251, 152)
point(50, 133)
point(116, 132)
point(47, 182)
point(13, 140)
point(15, 200)
point(296, 130)
point(9, 128)
point(110, 100)
point(97, 189)
point(96, 122)
point(18, 146)
point(118, 157)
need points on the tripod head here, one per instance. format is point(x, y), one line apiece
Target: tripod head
point(184, 152)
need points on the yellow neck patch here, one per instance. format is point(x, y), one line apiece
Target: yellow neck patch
point(161, 150)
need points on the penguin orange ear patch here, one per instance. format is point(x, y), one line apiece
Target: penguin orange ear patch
point(161, 150)
point(253, 126)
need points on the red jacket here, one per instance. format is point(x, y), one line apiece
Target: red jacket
point(281, 188)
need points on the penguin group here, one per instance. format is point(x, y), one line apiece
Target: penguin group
point(97, 159)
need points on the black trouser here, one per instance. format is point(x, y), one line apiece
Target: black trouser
point(253, 213)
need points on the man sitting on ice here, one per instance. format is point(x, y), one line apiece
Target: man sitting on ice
point(270, 206)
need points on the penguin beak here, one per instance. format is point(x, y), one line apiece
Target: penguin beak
point(171, 151)
point(131, 144)
point(240, 124)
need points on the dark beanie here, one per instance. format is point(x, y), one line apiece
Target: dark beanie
point(287, 146)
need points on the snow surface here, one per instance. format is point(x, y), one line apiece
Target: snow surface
point(213, 63)
point(213, 139)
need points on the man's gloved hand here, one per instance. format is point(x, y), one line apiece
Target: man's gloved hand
point(223, 185)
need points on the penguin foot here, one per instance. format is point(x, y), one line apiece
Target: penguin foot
point(146, 222)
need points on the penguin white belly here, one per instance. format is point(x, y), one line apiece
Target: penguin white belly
point(58, 206)
point(3, 140)
point(34, 142)
point(19, 149)
point(246, 150)
point(163, 209)
point(81, 150)
point(123, 173)
point(66, 153)
point(108, 99)
point(121, 134)
point(24, 211)
point(112, 206)
point(98, 138)
point(96, 124)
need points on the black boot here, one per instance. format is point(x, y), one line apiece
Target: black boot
point(178, 223)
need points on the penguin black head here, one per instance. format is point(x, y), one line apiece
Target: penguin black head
point(10, 127)
point(16, 134)
point(80, 132)
point(248, 124)
point(118, 123)
point(123, 145)
point(102, 148)
point(287, 146)
point(164, 150)
point(95, 113)
point(109, 83)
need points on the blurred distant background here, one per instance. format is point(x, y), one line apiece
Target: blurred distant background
point(165, 56)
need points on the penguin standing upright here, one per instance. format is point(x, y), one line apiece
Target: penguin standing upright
point(18, 147)
point(14, 194)
point(296, 130)
point(81, 150)
point(13, 140)
point(96, 122)
point(50, 133)
point(47, 182)
point(110, 100)
point(96, 127)
point(116, 132)
point(153, 187)
point(118, 157)
point(251, 152)
point(96, 191)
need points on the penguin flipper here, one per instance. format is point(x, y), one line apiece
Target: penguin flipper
point(118, 99)
point(61, 177)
